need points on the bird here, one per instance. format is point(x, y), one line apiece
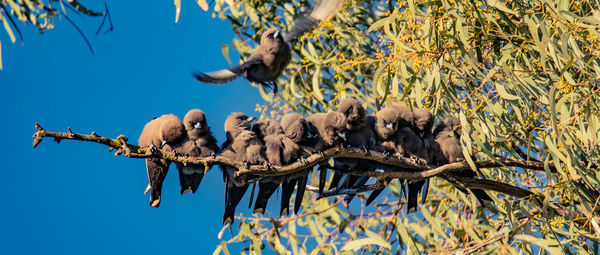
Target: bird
point(417, 144)
point(330, 131)
point(406, 133)
point(303, 134)
point(274, 53)
point(279, 150)
point(263, 66)
point(161, 132)
point(360, 135)
point(198, 142)
point(446, 149)
point(241, 145)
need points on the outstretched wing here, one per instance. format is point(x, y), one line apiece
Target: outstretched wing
point(323, 10)
point(226, 75)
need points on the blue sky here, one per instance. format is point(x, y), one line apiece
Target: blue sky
point(75, 197)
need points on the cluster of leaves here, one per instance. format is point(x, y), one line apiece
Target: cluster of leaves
point(41, 14)
point(522, 76)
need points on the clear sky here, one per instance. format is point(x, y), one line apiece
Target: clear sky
point(76, 197)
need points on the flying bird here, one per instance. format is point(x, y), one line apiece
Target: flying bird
point(263, 66)
point(162, 132)
point(241, 145)
point(274, 53)
point(198, 142)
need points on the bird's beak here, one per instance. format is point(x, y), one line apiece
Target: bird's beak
point(162, 144)
point(390, 126)
point(250, 119)
point(342, 135)
point(198, 125)
point(276, 34)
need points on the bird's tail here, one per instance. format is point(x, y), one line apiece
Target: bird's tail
point(233, 196)
point(287, 188)
point(413, 194)
point(189, 178)
point(216, 77)
point(300, 192)
point(359, 181)
point(265, 191)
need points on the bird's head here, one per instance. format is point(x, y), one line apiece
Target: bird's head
point(236, 123)
point(171, 129)
point(271, 35)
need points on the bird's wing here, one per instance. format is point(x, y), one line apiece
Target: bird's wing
point(323, 10)
point(226, 75)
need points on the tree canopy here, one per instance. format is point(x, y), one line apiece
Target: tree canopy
point(522, 77)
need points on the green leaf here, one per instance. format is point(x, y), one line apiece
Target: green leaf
point(543, 243)
point(177, 10)
point(357, 244)
point(8, 28)
point(202, 4)
point(316, 83)
point(83, 9)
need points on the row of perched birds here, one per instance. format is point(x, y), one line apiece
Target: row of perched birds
point(394, 130)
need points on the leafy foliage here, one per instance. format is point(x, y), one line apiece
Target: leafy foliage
point(41, 14)
point(522, 76)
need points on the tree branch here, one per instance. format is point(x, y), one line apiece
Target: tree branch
point(407, 169)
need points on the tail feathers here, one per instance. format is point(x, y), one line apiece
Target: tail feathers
point(189, 180)
point(356, 181)
point(413, 193)
point(265, 191)
point(155, 196)
point(335, 180)
point(425, 191)
point(233, 197)
point(216, 77)
point(322, 178)
point(300, 192)
point(287, 188)
point(483, 197)
point(374, 194)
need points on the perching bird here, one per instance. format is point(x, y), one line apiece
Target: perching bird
point(280, 150)
point(304, 134)
point(273, 54)
point(331, 131)
point(418, 145)
point(360, 135)
point(162, 132)
point(263, 66)
point(386, 124)
point(198, 142)
point(241, 145)
point(446, 149)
